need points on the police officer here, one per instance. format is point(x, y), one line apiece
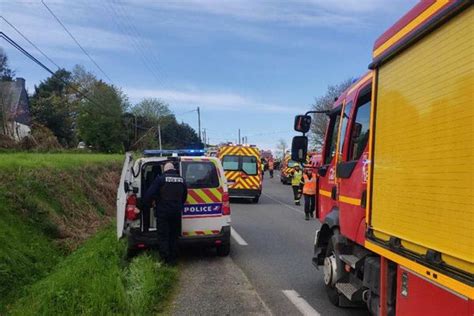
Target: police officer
point(169, 192)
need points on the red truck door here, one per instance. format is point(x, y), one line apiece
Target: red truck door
point(351, 170)
point(327, 172)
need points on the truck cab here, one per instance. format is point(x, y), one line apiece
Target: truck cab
point(395, 188)
point(206, 214)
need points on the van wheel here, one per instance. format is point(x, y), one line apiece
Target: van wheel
point(131, 252)
point(255, 199)
point(223, 250)
point(332, 270)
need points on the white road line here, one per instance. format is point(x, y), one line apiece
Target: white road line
point(284, 204)
point(237, 237)
point(300, 303)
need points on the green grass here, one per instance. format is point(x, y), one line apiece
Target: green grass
point(9, 161)
point(95, 280)
point(46, 212)
point(49, 205)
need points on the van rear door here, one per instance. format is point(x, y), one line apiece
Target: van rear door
point(122, 194)
point(202, 213)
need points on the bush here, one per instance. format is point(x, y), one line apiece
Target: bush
point(41, 138)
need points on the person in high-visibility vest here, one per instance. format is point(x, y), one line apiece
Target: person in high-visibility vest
point(295, 184)
point(309, 193)
point(270, 167)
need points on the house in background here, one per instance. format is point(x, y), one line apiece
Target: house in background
point(15, 120)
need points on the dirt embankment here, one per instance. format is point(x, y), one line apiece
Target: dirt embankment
point(46, 213)
point(70, 205)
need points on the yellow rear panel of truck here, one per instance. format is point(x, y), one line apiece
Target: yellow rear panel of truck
point(423, 172)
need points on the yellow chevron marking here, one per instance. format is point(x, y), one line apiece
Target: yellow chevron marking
point(191, 200)
point(203, 196)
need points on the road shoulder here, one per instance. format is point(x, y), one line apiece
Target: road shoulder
point(212, 285)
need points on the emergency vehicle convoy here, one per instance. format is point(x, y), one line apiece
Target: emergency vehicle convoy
point(243, 170)
point(395, 189)
point(206, 215)
point(286, 169)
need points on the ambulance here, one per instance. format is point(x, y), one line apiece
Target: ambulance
point(206, 214)
point(243, 170)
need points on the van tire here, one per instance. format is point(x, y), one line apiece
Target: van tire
point(223, 250)
point(255, 199)
point(131, 252)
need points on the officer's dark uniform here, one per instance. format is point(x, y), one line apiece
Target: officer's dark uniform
point(169, 191)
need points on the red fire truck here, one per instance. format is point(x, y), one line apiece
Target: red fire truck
point(395, 190)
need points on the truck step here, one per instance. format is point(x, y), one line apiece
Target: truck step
point(350, 260)
point(349, 290)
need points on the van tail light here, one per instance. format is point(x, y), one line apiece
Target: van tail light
point(225, 204)
point(131, 211)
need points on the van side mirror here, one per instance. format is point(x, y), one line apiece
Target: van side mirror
point(302, 123)
point(299, 148)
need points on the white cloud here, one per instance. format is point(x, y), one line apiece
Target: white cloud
point(221, 101)
point(39, 26)
point(334, 13)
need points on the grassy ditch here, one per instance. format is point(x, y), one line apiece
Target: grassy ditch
point(95, 280)
point(50, 207)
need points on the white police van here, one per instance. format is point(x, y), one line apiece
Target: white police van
point(206, 215)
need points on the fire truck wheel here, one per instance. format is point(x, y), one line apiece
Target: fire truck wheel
point(332, 270)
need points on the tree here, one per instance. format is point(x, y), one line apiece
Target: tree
point(83, 79)
point(54, 105)
point(178, 135)
point(152, 109)
point(100, 120)
point(322, 103)
point(281, 148)
point(6, 73)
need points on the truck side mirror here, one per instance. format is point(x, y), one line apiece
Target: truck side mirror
point(302, 123)
point(357, 130)
point(299, 148)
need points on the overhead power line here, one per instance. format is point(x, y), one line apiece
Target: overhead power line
point(76, 41)
point(31, 43)
point(146, 56)
point(39, 63)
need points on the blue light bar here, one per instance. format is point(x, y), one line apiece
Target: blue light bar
point(177, 152)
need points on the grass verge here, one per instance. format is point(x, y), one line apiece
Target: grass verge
point(95, 280)
point(9, 161)
point(49, 204)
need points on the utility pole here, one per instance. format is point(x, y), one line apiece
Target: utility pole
point(136, 127)
point(204, 137)
point(199, 123)
point(159, 135)
point(239, 136)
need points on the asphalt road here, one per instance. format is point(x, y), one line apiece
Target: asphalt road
point(277, 257)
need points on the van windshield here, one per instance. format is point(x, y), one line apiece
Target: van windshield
point(200, 174)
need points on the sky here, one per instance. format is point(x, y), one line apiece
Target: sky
point(249, 65)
